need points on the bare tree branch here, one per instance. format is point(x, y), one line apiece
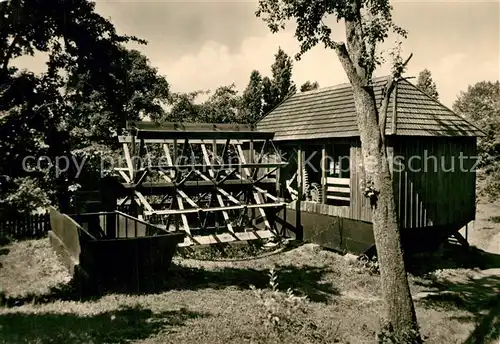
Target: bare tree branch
point(347, 63)
point(385, 104)
point(8, 54)
point(391, 84)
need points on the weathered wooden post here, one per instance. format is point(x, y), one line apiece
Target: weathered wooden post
point(109, 196)
point(299, 235)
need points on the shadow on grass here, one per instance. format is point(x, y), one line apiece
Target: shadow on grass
point(118, 326)
point(480, 297)
point(305, 280)
point(451, 256)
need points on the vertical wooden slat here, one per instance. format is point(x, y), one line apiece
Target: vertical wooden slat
point(354, 176)
point(35, 225)
point(400, 192)
point(412, 204)
point(323, 174)
point(299, 232)
point(279, 175)
point(406, 224)
point(40, 225)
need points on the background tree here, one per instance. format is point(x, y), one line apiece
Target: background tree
point(222, 106)
point(426, 84)
point(309, 86)
point(480, 104)
point(252, 98)
point(184, 108)
point(280, 85)
point(92, 85)
point(138, 91)
point(366, 24)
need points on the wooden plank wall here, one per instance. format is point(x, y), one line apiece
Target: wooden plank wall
point(431, 195)
point(426, 194)
point(424, 197)
point(359, 206)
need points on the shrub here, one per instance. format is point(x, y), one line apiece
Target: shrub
point(286, 317)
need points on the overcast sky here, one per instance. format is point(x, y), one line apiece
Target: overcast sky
point(205, 44)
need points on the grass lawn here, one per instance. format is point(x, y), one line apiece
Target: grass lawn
point(206, 301)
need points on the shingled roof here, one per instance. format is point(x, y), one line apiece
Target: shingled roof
point(329, 112)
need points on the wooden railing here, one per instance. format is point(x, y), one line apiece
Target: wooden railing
point(338, 189)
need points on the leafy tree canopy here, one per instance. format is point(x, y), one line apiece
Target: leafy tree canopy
point(480, 104)
point(92, 85)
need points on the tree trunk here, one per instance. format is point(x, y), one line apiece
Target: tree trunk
point(400, 311)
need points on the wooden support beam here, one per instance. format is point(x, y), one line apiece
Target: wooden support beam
point(123, 175)
point(241, 156)
point(140, 158)
point(123, 201)
point(166, 150)
point(225, 215)
point(227, 176)
point(259, 161)
point(210, 167)
point(174, 179)
point(174, 158)
point(128, 160)
point(223, 158)
point(266, 175)
point(188, 126)
point(204, 135)
point(323, 174)
point(222, 191)
point(128, 139)
point(158, 187)
point(279, 158)
point(207, 160)
point(214, 209)
point(461, 239)
point(164, 176)
point(187, 198)
point(183, 216)
point(140, 177)
point(258, 200)
point(262, 191)
point(143, 200)
point(229, 237)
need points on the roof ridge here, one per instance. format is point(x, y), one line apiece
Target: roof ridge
point(394, 123)
point(444, 106)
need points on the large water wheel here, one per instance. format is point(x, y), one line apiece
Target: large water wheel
point(212, 178)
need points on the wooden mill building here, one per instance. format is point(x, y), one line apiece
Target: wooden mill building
point(433, 153)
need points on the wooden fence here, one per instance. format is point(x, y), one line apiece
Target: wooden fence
point(29, 226)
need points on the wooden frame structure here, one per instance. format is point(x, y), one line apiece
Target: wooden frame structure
point(206, 179)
